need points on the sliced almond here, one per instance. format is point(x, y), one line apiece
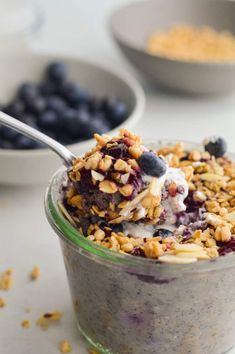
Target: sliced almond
point(97, 176)
point(133, 203)
point(187, 247)
point(125, 177)
point(168, 258)
point(198, 255)
point(212, 177)
point(66, 214)
point(118, 220)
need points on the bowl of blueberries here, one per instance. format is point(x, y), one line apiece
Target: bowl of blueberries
point(67, 99)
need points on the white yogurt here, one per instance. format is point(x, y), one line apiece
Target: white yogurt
point(138, 230)
point(172, 205)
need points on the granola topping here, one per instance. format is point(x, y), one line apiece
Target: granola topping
point(182, 213)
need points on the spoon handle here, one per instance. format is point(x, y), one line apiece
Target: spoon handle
point(66, 155)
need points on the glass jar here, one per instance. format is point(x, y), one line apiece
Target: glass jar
point(133, 305)
point(20, 23)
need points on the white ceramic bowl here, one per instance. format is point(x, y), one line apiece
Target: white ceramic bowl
point(132, 24)
point(21, 167)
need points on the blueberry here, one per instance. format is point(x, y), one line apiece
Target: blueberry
point(15, 108)
point(95, 104)
point(70, 92)
point(77, 127)
point(8, 133)
point(2, 128)
point(48, 119)
point(95, 126)
point(67, 117)
point(55, 103)
point(163, 233)
point(50, 132)
point(108, 103)
point(152, 165)
point(27, 92)
point(29, 119)
point(119, 113)
point(48, 88)
point(216, 147)
point(36, 105)
point(5, 144)
point(115, 110)
point(117, 227)
point(66, 139)
point(24, 143)
point(57, 72)
point(84, 97)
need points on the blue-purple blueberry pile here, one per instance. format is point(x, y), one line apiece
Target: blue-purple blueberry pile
point(61, 109)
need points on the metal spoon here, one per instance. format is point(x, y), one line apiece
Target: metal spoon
point(67, 156)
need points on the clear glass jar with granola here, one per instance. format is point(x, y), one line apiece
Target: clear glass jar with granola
point(144, 231)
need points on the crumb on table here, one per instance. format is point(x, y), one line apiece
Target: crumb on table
point(65, 346)
point(93, 351)
point(48, 317)
point(2, 302)
point(25, 324)
point(6, 279)
point(35, 273)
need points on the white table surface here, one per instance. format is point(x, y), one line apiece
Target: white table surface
point(79, 28)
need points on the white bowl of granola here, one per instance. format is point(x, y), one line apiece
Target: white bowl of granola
point(133, 25)
point(31, 166)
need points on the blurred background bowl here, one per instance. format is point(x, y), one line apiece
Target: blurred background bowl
point(132, 25)
point(21, 167)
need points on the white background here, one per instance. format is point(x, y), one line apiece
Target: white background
point(80, 28)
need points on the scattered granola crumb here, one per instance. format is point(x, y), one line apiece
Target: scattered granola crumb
point(2, 303)
point(25, 324)
point(65, 346)
point(35, 273)
point(93, 351)
point(48, 317)
point(6, 279)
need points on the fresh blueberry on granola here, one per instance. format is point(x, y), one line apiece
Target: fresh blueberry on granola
point(152, 165)
point(172, 204)
point(216, 146)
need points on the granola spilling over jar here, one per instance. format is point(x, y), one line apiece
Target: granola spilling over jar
point(173, 205)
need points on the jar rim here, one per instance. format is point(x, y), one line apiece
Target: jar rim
point(136, 265)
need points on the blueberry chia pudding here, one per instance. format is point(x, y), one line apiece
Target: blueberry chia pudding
point(150, 260)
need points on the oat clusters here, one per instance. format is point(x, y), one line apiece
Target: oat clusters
point(186, 42)
point(108, 190)
point(111, 183)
